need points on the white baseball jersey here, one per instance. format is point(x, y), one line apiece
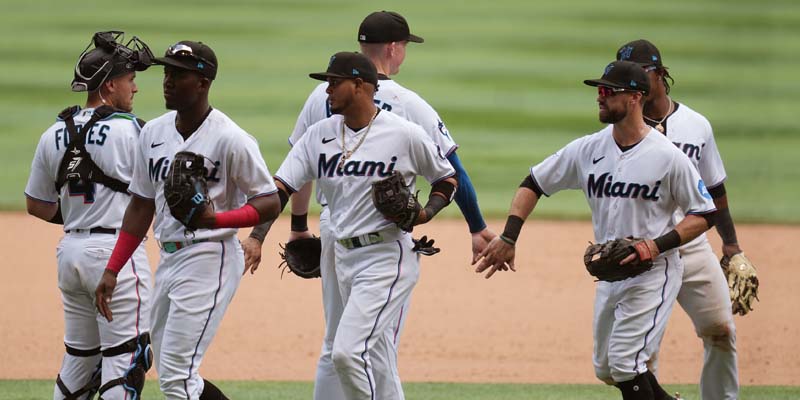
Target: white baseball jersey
point(109, 143)
point(392, 144)
point(389, 97)
point(632, 193)
point(692, 134)
point(231, 154)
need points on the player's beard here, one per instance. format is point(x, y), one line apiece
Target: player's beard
point(609, 116)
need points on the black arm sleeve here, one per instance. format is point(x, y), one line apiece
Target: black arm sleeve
point(529, 183)
point(441, 195)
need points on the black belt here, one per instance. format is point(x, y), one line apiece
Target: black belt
point(96, 229)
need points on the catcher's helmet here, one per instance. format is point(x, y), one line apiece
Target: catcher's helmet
point(108, 59)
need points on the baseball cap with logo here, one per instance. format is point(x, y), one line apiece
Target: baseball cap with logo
point(641, 52)
point(194, 56)
point(385, 27)
point(349, 65)
point(623, 75)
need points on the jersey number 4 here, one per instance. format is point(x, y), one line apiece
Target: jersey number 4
point(79, 188)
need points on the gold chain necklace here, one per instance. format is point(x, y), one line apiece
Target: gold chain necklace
point(660, 127)
point(346, 154)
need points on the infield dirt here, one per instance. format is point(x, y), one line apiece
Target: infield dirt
point(530, 326)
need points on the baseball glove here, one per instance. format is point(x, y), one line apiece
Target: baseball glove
point(186, 189)
point(301, 256)
point(742, 282)
point(424, 246)
point(602, 260)
point(395, 201)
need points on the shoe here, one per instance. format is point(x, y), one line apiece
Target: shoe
point(678, 396)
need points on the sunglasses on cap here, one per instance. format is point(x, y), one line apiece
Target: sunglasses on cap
point(182, 50)
point(605, 91)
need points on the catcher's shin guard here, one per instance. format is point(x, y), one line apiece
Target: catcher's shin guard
point(92, 386)
point(133, 379)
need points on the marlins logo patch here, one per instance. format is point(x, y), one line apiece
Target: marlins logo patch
point(625, 52)
point(701, 187)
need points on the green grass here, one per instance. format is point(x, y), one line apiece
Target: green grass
point(505, 76)
point(245, 390)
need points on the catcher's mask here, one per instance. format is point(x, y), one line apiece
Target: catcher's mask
point(108, 59)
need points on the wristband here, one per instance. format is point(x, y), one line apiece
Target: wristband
point(300, 222)
point(513, 227)
point(668, 241)
point(508, 240)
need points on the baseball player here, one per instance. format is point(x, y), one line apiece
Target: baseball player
point(199, 270)
point(704, 293)
point(383, 36)
point(633, 179)
point(376, 269)
point(79, 178)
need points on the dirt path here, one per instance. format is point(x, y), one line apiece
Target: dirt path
point(531, 326)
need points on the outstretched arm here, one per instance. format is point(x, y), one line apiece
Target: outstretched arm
point(499, 255)
point(467, 201)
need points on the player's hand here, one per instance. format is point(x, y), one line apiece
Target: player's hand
point(497, 256)
point(647, 252)
point(731, 250)
point(252, 254)
point(480, 240)
point(103, 293)
point(294, 235)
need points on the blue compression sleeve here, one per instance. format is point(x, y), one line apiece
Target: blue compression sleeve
point(466, 198)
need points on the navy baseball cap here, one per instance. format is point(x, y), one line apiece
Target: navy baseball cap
point(641, 52)
point(385, 27)
point(623, 75)
point(194, 56)
point(349, 65)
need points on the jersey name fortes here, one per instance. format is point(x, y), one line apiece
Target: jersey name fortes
point(330, 167)
point(604, 186)
point(97, 135)
point(111, 143)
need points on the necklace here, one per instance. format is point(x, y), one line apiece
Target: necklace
point(660, 127)
point(346, 154)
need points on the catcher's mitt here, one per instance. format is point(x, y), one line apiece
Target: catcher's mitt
point(742, 282)
point(301, 256)
point(186, 189)
point(602, 260)
point(395, 201)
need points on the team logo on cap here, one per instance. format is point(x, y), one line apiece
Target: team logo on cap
point(200, 65)
point(654, 57)
point(633, 83)
point(330, 62)
point(625, 52)
point(355, 72)
point(608, 69)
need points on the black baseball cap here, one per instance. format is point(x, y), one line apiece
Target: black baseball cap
point(623, 75)
point(640, 51)
point(349, 65)
point(385, 27)
point(194, 56)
